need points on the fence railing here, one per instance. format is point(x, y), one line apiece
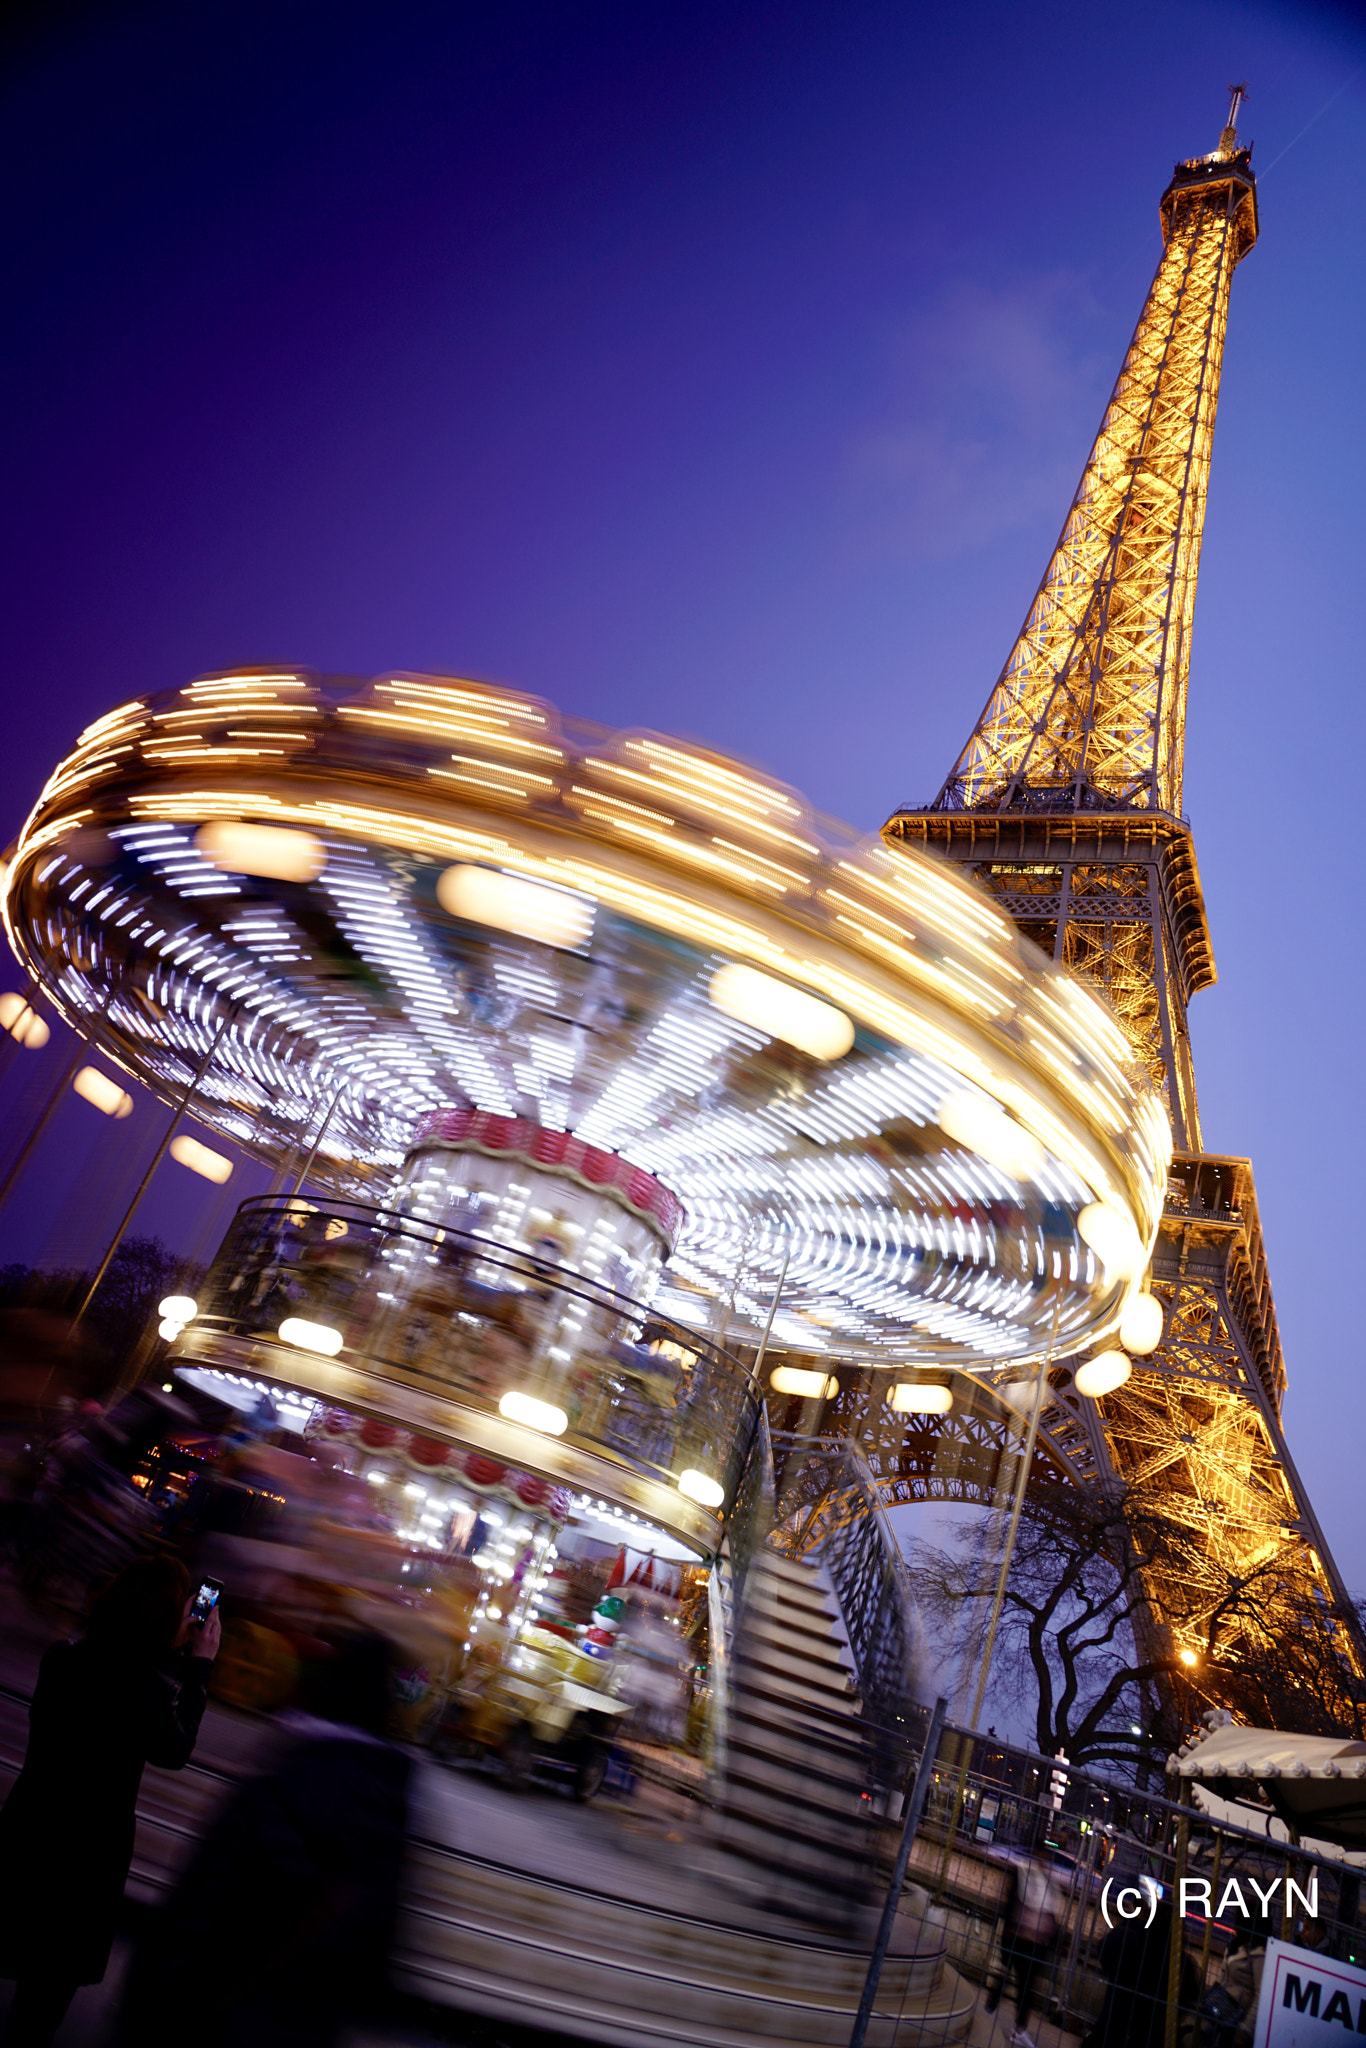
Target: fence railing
point(829, 1507)
point(1118, 1870)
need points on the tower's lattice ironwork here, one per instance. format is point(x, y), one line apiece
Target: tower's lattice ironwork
point(1066, 804)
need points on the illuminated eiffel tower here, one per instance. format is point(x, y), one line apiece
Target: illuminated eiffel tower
point(1066, 804)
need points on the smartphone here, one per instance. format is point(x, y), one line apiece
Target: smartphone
point(204, 1602)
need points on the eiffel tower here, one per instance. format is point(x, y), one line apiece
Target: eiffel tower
point(1066, 804)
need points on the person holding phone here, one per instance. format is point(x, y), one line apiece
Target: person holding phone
point(103, 1708)
point(297, 1881)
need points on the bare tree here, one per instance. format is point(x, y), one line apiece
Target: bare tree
point(1077, 1646)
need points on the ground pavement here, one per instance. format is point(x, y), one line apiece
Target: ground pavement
point(647, 1849)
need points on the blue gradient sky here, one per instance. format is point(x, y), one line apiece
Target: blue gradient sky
point(722, 369)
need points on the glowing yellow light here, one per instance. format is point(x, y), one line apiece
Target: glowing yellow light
point(1189, 1657)
point(1140, 1329)
point(200, 1159)
point(274, 851)
point(910, 1398)
point(335, 1228)
point(23, 1023)
point(97, 1088)
point(509, 904)
point(701, 1487)
point(1112, 1238)
point(169, 1329)
point(781, 1011)
point(977, 1123)
point(179, 1308)
point(1103, 1374)
point(809, 1386)
point(533, 1414)
point(305, 1336)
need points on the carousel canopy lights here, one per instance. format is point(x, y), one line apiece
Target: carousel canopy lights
point(23, 1023)
point(307, 1336)
point(910, 1398)
point(1103, 1374)
point(179, 1308)
point(807, 1386)
point(509, 904)
point(701, 1487)
point(274, 852)
point(975, 1122)
point(1140, 1328)
point(780, 1011)
point(614, 936)
point(542, 1416)
point(106, 1095)
point(1112, 1237)
point(201, 1159)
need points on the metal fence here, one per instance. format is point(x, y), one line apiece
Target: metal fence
point(1086, 1910)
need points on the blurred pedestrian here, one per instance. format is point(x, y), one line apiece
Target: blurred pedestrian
point(1034, 1907)
point(1228, 2021)
point(1135, 1959)
point(103, 1708)
point(288, 1909)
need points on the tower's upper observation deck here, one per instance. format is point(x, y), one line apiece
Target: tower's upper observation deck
point(1227, 177)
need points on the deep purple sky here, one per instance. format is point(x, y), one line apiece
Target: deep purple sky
point(725, 369)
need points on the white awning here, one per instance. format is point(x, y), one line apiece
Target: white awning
point(1265, 1753)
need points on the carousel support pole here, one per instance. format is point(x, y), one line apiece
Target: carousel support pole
point(1209, 1917)
point(12, 1041)
point(998, 1603)
point(84, 1043)
point(915, 1807)
point(760, 1354)
point(187, 1097)
point(307, 1166)
point(1176, 1938)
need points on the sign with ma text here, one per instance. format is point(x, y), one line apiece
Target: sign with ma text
point(1308, 2001)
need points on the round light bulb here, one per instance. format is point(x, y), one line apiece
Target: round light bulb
point(701, 1487)
point(1113, 1239)
point(1140, 1328)
point(1103, 1374)
point(808, 1386)
point(982, 1126)
point(909, 1397)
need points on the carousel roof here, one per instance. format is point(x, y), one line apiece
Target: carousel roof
point(372, 902)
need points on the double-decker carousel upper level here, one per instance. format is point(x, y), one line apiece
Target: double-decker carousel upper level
point(599, 1021)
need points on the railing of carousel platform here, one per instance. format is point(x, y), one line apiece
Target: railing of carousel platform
point(460, 1313)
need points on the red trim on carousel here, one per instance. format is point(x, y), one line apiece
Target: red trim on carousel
point(429, 1455)
point(520, 1137)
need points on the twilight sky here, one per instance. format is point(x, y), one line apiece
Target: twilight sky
point(725, 369)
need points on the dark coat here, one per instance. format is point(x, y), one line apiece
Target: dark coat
point(98, 1715)
point(1136, 1960)
point(288, 1909)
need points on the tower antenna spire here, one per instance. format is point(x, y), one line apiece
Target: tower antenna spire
point(1228, 140)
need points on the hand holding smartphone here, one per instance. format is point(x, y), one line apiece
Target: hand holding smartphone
point(205, 1602)
point(205, 1622)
